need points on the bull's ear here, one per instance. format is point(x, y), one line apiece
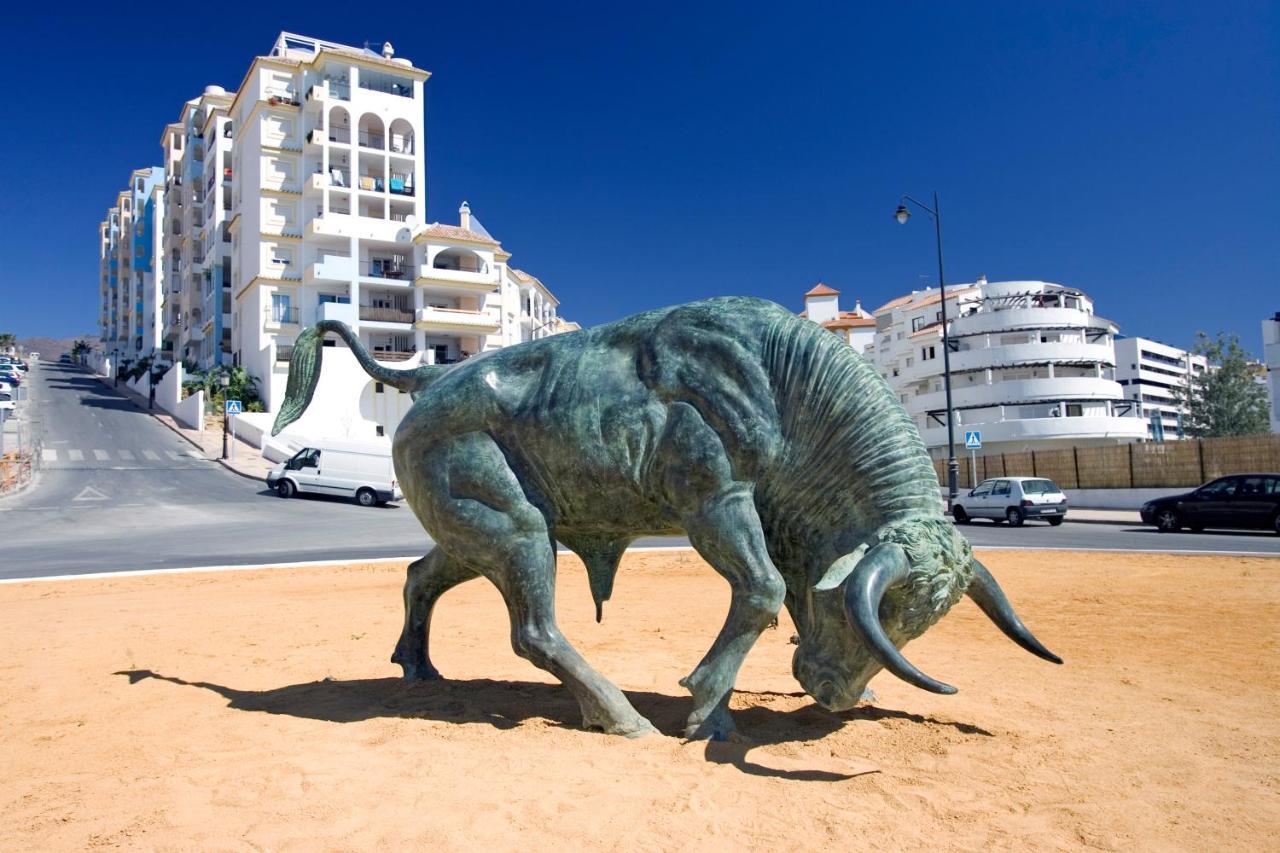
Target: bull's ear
point(836, 573)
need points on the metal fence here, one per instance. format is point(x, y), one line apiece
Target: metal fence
point(1170, 464)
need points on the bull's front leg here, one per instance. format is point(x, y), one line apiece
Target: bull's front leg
point(727, 534)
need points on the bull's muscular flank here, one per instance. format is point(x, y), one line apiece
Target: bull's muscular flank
point(778, 451)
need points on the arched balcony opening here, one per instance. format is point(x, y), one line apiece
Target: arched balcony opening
point(371, 133)
point(400, 137)
point(460, 260)
point(340, 126)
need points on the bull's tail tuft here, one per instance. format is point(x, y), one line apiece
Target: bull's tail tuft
point(304, 370)
point(304, 375)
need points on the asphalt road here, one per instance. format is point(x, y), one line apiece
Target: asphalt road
point(118, 491)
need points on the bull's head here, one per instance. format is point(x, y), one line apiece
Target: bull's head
point(871, 602)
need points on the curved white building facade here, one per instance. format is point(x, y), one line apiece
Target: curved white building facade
point(1032, 367)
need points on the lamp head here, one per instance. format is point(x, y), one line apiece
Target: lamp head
point(902, 214)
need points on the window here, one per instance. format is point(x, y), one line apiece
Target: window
point(280, 307)
point(1001, 488)
point(916, 323)
point(928, 353)
point(983, 489)
point(380, 430)
point(1224, 488)
point(1075, 410)
point(377, 388)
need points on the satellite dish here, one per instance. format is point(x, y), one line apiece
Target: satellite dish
point(411, 222)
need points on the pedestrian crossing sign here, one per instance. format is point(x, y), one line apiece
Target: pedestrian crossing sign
point(972, 440)
point(233, 407)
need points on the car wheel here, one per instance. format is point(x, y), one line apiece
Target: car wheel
point(1014, 516)
point(286, 489)
point(366, 497)
point(1275, 524)
point(1168, 521)
point(1054, 522)
point(960, 515)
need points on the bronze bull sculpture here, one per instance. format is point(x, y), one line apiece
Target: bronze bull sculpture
point(780, 453)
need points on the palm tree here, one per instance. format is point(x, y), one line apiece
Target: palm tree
point(8, 340)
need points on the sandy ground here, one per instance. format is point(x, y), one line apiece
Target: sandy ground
point(258, 710)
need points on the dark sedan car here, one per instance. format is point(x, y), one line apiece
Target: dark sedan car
point(1245, 501)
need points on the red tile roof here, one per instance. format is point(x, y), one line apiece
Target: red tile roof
point(822, 290)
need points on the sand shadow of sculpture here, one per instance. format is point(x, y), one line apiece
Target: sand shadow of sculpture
point(508, 704)
point(782, 455)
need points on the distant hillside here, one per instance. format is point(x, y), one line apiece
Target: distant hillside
point(52, 348)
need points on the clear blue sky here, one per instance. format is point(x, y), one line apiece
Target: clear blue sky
point(642, 155)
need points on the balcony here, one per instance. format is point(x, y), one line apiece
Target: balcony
point(393, 269)
point(1015, 319)
point(330, 269)
point(342, 312)
point(281, 316)
point(284, 353)
point(369, 139)
point(1029, 353)
point(457, 280)
point(458, 320)
point(385, 315)
point(329, 90)
point(1016, 391)
point(392, 355)
point(280, 98)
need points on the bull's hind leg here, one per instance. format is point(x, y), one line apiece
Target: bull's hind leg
point(428, 579)
point(486, 517)
point(727, 534)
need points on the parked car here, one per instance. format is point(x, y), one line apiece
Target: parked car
point(1241, 501)
point(10, 374)
point(6, 400)
point(349, 469)
point(1012, 499)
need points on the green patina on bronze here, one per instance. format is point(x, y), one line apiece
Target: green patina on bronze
point(779, 452)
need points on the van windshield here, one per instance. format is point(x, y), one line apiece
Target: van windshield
point(1039, 487)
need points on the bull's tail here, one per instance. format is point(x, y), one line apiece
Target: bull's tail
point(304, 370)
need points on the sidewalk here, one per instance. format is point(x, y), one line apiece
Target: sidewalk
point(1103, 516)
point(248, 461)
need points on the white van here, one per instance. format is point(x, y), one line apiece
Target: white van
point(361, 472)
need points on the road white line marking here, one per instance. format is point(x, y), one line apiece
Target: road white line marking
point(89, 493)
point(126, 455)
point(49, 455)
point(76, 455)
point(173, 454)
point(152, 455)
point(101, 455)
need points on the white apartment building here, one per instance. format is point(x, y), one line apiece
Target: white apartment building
point(1156, 376)
point(857, 328)
point(196, 252)
point(1271, 357)
point(1032, 366)
point(301, 197)
point(129, 285)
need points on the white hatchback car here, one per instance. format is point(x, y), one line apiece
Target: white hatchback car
point(1012, 499)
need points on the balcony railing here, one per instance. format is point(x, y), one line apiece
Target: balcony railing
point(371, 140)
point(284, 353)
point(282, 315)
point(393, 355)
point(386, 315)
point(390, 268)
point(404, 90)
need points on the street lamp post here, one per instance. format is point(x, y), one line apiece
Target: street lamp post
point(225, 381)
point(902, 215)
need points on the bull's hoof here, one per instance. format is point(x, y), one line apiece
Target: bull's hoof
point(420, 671)
point(717, 726)
point(635, 727)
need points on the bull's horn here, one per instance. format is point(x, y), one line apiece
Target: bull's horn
point(883, 567)
point(986, 593)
